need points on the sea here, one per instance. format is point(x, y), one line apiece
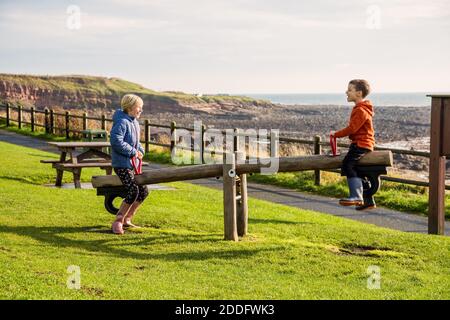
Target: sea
point(404, 99)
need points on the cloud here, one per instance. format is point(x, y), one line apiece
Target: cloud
point(261, 43)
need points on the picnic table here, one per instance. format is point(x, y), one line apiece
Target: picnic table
point(77, 155)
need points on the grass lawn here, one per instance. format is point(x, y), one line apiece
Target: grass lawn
point(288, 254)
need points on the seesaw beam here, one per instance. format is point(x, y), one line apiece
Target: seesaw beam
point(286, 164)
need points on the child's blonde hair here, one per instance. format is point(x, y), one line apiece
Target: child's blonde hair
point(129, 100)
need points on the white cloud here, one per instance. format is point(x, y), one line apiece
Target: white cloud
point(212, 43)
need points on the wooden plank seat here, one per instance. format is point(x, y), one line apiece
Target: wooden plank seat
point(50, 161)
point(83, 165)
point(75, 168)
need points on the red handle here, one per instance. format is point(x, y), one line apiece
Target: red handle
point(137, 168)
point(333, 144)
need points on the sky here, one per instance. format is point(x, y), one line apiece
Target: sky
point(233, 46)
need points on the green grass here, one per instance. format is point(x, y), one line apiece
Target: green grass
point(288, 254)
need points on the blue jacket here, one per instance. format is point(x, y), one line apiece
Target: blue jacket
point(124, 139)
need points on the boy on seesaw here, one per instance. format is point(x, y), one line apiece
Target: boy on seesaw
point(361, 133)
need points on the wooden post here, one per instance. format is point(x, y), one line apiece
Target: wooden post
point(46, 121)
point(173, 138)
point(77, 177)
point(239, 142)
point(440, 106)
point(67, 124)
point(317, 150)
point(147, 135)
point(274, 144)
point(52, 122)
point(202, 144)
point(8, 110)
point(236, 140)
point(229, 199)
point(19, 116)
point(104, 123)
point(32, 114)
point(85, 121)
point(242, 203)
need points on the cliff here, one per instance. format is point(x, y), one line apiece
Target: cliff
point(100, 93)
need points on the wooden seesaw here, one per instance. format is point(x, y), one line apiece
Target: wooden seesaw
point(234, 173)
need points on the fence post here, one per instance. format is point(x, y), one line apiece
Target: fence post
point(104, 122)
point(173, 138)
point(274, 144)
point(203, 143)
point(236, 140)
point(240, 143)
point(52, 122)
point(85, 121)
point(146, 138)
point(32, 113)
point(8, 106)
point(317, 150)
point(46, 121)
point(67, 124)
point(19, 116)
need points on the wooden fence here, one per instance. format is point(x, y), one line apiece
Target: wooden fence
point(50, 127)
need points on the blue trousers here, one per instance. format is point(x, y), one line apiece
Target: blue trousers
point(354, 154)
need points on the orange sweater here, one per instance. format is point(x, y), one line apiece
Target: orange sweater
point(360, 127)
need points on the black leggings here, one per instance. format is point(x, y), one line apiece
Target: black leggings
point(134, 191)
point(354, 154)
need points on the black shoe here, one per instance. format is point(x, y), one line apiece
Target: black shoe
point(365, 207)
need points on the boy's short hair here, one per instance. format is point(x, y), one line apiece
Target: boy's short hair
point(129, 100)
point(361, 85)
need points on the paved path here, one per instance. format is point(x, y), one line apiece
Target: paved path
point(379, 216)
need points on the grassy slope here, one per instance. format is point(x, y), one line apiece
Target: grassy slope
point(289, 253)
point(111, 86)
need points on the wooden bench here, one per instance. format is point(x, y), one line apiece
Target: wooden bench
point(75, 168)
point(92, 156)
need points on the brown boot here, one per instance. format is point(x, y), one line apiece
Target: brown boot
point(117, 226)
point(127, 222)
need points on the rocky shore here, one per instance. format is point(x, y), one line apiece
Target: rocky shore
point(391, 123)
point(395, 127)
